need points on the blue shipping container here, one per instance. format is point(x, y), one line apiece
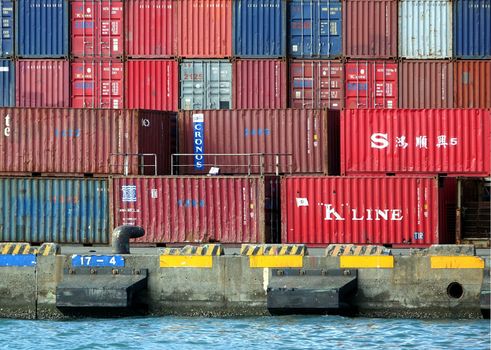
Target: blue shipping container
point(315, 28)
point(41, 28)
point(7, 37)
point(472, 28)
point(54, 210)
point(259, 28)
point(7, 83)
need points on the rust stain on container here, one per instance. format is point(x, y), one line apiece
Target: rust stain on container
point(472, 84)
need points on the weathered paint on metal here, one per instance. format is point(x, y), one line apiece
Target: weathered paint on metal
point(7, 83)
point(7, 34)
point(472, 84)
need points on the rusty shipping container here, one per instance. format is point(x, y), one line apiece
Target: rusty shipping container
point(370, 28)
point(259, 84)
point(204, 28)
point(409, 141)
point(306, 141)
point(362, 210)
point(472, 84)
point(152, 84)
point(316, 84)
point(42, 83)
point(57, 141)
point(426, 84)
point(151, 28)
point(198, 209)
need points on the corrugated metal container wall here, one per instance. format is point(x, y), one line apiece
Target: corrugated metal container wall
point(97, 28)
point(472, 84)
point(7, 83)
point(152, 84)
point(204, 28)
point(42, 83)
point(317, 84)
point(206, 84)
point(41, 28)
point(81, 141)
point(97, 83)
point(371, 84)
point(259, 84)
point(151, 28)
point(365, 210)
point(54, 210)
point(315, 28)
point(426, 84)
point(7, 35)
point(370, 28)
point(425, 29)
point(193, 209)
point(311, 137)
point(408, 141)
point(259, 28)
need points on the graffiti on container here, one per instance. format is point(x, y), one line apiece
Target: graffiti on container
point(67, 132)
point(381, 141)
point(191, 203)
point(128, 193)
point(198, 141)
point(6, 129)
point(257, 132)
point(354, 214)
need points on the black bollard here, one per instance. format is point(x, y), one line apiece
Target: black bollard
point(121, 238)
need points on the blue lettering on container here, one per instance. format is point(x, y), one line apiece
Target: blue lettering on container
point(198, 141)
point(357, 86)
point(257, 132)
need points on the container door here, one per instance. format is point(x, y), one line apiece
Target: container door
point(385, 85)
point(192, 85)
point(84, 84)
point(111, 85)
point(7, 37)
point(301, 29)
point(7, 83)
point(328, 41)
point(219, 85)
point(83, 18)
point(357, 85)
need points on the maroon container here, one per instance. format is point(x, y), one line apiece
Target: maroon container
point(80, 141)
point(259, 84)
point(42, 83)
point(426, 84)
point(316, 84)
point(472, 84)
point(370, 28)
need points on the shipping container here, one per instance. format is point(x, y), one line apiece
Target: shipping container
point(7, 36)
point(57, 141)
point(472, 84)
point(42, 83)
point(362, 210)
point(206, 84)
point(410, 141)
point(152, 84)
point(196, 209)
point(7, 83)
point(371, 84)
point(151, 28)
point(315, 28)
point(259, 28)
point(425, 29)
point(39, 210)
point(97, 28)
point(472, 28)
point(370, 28)
point(204, 28)
point(259, 84)
point(97, 83)
point(317, 84)
point(426, 84)
point(289, 140)
point(41, 28)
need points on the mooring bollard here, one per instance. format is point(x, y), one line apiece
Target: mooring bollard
point(121, 238)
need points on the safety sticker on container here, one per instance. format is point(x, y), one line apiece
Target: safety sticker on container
point(97, 261)
point(4, 69)
point(302, 202)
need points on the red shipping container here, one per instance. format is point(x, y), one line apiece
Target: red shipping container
point(409, 141)
point(42, 83)
point(204, 28)
point(472, 84)
point(80, 141)
point(426, 84)
point(97, 28)
point(371, 84)
point(151, 28)
point(152, 84)
point(316, 84)
point(364, 210)
point(370, 28)
point(196, 209)
point(97, 84)
point(259, 84)
point(310, 137)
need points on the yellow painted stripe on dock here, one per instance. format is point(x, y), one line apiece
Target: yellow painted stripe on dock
point(456, 262)
point(196, 261)
point(366, 262)
point(275, 261)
